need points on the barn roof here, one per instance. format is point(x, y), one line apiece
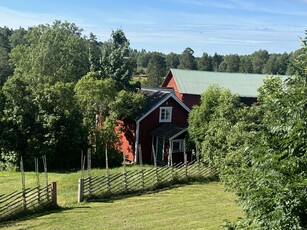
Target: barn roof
point(196, 82)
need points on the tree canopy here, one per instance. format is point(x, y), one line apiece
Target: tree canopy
point(56, 50)
point(260, 151)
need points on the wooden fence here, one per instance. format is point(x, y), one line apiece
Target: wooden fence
point(141, 180)
point(28, 200)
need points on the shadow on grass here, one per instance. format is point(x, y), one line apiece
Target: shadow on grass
point(32, 214)
point(160, 187)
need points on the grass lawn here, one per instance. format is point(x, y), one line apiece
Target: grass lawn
point(196, 206)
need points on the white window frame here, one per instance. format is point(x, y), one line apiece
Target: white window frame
point(180, 141)
point(167, 119)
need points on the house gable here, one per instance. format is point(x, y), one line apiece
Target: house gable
point(161, 102)
point(151, 120)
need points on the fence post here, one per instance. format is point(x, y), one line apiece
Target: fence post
point(107, 169)
point(37, 180)
point(141, 164)
point(46, 177)
point(185, 159)
point(125, 174)
point(23, 185)
point(80, 190)
point(198, 161)
point(171, 159)
point(155, 162)
point(89, 171)
point(54, 193)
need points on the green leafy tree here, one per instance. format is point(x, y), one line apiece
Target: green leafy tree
point(205, 63)
point(259, 59)
point(210, 123)
point(116, 63)
point(172, 60)
point(58, 51)
point(230, 63)
point(277, 64)
point(246, 65)
point(41, 117)
point(292, 61)
point(156, 69)
point(187, 60)
point(216, 61)
point(271, 182)
point(18, 37)
point(94, 53)
point(102, 107)
point(143, 59)
point(5, 49)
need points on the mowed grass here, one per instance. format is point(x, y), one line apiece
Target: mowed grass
point(194, 206)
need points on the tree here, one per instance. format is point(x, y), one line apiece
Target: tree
point(5, 49)
point(216, 61)
point(156, 69)
point(205, 63)
point(259, 59)
point(293, 57)
point(271, 182)
point(94, 53)
point(18, 37)
point(172, 60)
point(187, 60)
point(210, 123)
point(142, 59)
point(115, 63)
point(58, 51)
point(230, 63)
point(102, 107)
point(41, 117)
point(246, 65)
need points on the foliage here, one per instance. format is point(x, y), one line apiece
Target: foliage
point(260, 151)
point(230, 63)
point(205, 63)
point(187, 59)
point(156, 69)
point(5, 49)
point(115, 62)
point(210, 123)
point(41, 118)
point(58, 51)
point(259, 58)
point(102, 106)
point(172, 60)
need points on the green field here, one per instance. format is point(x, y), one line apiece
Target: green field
point(196, 206)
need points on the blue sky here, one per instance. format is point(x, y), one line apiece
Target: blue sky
point(222, 26)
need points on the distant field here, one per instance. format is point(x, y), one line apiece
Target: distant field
point(196, 206)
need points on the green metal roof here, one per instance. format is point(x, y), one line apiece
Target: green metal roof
point(196, 82)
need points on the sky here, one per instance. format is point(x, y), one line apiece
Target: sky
point(211, 26)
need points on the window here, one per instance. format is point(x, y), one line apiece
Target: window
point(165, 114)
point(178, 145)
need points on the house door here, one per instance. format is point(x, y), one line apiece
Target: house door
point(159, 149)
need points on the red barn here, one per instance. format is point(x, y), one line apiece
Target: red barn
point(190, 84)
point(160, 127)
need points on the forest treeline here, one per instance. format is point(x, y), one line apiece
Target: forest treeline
point(152, 65)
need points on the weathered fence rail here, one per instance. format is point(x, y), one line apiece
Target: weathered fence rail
point(140, 180)
point(28, 200)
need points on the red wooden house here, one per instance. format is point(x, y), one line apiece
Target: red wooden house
point(159, 128)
